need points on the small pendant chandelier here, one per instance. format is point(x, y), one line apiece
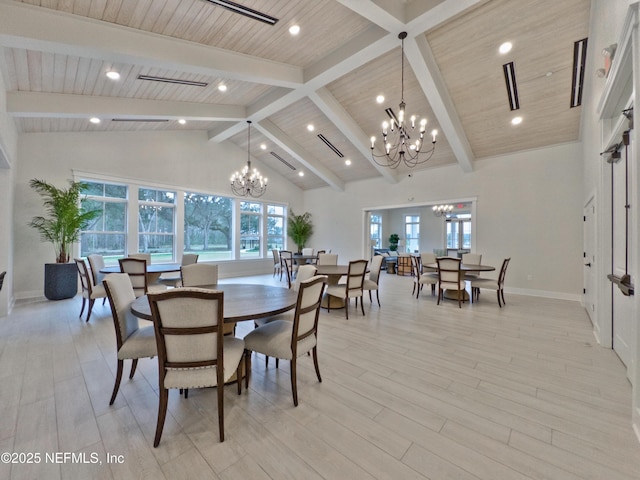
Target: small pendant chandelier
point(248, 182)
point(397, 143)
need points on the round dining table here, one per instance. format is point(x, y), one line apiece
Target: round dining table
point(465, 267)
point(154, 270)
point(242, 301)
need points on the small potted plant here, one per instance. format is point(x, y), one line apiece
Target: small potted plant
point(300, 229)
point(394, 238)
point(61, 226)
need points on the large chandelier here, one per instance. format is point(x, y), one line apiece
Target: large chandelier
point(442, 210)
point(248, 182)
point(397, 143)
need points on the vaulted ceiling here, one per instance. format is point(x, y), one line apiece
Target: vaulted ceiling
point(56, 53)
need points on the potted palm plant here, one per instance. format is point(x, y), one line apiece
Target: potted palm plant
point(61, 226)
point(300, 229)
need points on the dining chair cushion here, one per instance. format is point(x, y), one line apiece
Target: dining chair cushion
point(484, 283)
point(140, 344)
point(340, 290)
point(274, 340)
point(206, 376)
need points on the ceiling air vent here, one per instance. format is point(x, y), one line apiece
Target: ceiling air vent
point(577, 81)
point(172, 80)
point(330, 145)
point(510, 80)
point(283, 160)
point(246, 11)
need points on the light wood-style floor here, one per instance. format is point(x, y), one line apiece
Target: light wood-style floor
point(410, 391)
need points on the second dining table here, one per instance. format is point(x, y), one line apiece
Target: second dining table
point(465, 267)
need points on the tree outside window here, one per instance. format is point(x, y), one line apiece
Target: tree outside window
point(208, 226)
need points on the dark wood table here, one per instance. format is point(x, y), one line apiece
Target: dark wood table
point(242, 301)
point(154, 270)
point(465, 267)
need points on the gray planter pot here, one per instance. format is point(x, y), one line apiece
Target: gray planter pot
point(60, 280)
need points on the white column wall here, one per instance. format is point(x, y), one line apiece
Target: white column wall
point(178, 159)
point(529, 208)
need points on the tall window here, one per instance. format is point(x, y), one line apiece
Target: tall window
point(155, 223)
point(106, 235)
point(412, 232)
point(275, 227)
point(250, 229)
point(208, 226)
point(375, 226)
point(459, 232)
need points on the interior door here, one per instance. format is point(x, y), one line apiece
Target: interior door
point(589, 290)
point(622, 258)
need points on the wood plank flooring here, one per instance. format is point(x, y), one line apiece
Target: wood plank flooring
point(411, 390)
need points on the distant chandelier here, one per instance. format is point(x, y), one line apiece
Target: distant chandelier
point(442, 210)
point(248, 182)
point(395, 135)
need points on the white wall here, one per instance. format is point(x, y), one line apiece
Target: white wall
point(8, 160)
point(529, 208)
point(179, 159)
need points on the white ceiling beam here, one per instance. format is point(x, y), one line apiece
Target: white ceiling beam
point(334, 111)
point(52, 105)
point(43, 29)
point(387, 14)
point(276, 135)
point(421, 19)
point(425, 68)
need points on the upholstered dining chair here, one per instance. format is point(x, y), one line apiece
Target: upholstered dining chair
point(327, 259)
point(352, 288)
point(192, 350)
point(307, 251)
point(422, 279)
point(173, 279)
point(450, 277)
point(96, 263)
point(471, 259)
point(497, 284)
point(136, 268)
point(132, 341)
point(276, 262)
point(291, 339)
point(199, 274)
point(427, 258)
point(90, 291)
point(372, 283)
point(286, 262)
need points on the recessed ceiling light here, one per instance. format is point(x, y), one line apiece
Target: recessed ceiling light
point(347, 162)
point(95, 120)
point(505, 47)
point(380, 98)
point(301, 174)
point(113, 75)
point(294, 29)
point(310, 127)
point(182, 121)
point(263, 146)
point(222, 87)
point(516, 120)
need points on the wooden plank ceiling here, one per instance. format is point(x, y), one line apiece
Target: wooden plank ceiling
point(56, 53)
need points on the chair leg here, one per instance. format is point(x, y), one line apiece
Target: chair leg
point(134, 364)
point(433, 289)
point(502, 295)
point(277, 362)
point(116, 387)
point(104, 300)
point(239, 376)
point(370, 299)
point(162, 413)
point(220, 389)
point(459, 298)
point(84, 301)
point(378, 297)
point(361, 304)
point(499, 303)
point(414, 289)
point(294, 388)
point(315, 363)
point(439, 295)
point(346, 307)
point(91, 302)
point(247, 368)
point(186, 393)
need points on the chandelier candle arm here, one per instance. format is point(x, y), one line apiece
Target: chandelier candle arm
point(396, 140)
point(248, 182)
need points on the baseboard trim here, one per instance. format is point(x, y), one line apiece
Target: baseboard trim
point(573, 297)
